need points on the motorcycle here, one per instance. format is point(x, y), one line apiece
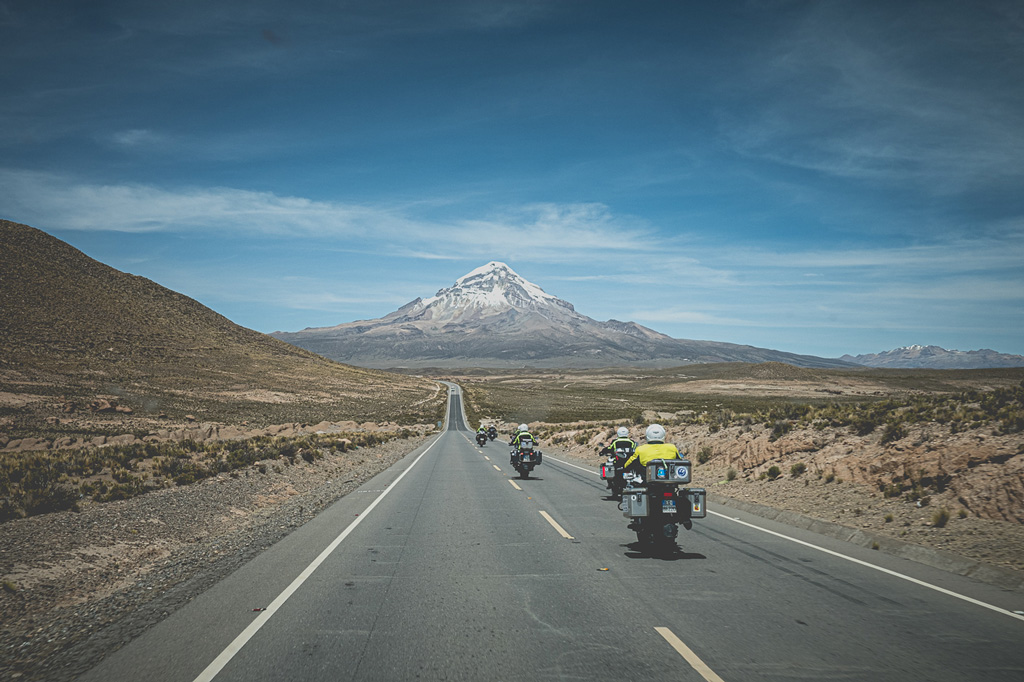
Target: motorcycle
point(492, 433)
point(657, 504)
point(481, 438)
point(524, 458)
point(612, 470)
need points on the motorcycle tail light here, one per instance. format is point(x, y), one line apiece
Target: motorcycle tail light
point(667, 494)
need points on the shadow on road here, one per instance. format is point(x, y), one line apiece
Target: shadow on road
point(672, 553)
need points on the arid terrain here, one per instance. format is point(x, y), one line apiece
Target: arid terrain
point(76, 585)
point(908, 454)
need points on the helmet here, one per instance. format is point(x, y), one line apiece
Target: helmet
point(524, 427)
point(655, 432)
point(623, 432)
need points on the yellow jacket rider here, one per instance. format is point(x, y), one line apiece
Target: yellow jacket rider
point(654, 448)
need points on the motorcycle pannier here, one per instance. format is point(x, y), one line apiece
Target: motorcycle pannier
point(634, 503)
point(607, 471)
point(668, 471)
point(698, 502)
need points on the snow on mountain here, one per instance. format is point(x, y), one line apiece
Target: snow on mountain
point(935, 357)
point(494, 285)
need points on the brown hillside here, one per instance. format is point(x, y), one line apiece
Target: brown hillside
point(74, 331)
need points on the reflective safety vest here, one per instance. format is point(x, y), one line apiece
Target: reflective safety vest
point(623, 444)
point(650, 451)
point(523, 435)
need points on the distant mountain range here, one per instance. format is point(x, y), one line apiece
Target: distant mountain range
point(934, 357)
point(492, 317)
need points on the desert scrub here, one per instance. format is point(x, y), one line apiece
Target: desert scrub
point(940, 518)
point(774, 472)
point(704, 454)
point(797, 469)
point(730, 475)
point(45, 481)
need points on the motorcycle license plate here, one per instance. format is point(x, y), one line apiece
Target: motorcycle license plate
point(668, 506)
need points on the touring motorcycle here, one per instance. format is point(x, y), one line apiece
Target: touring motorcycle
point(612, 470)
point(525, 457)
point(657, 504)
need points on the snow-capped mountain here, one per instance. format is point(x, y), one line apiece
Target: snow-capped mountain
point(489, 291)
point(492, 317)
point(934, 357)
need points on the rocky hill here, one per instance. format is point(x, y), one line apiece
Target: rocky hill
point(934, 357)
point(81, 341)
point(492, 317)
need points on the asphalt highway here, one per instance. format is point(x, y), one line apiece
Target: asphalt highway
point(448, 567)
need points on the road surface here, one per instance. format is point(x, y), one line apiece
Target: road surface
point(447, 567)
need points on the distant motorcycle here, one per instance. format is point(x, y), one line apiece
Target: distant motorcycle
point(481, 438)
point(525, 457)
point(492, 433)
point(658, 504)
point(612, 470)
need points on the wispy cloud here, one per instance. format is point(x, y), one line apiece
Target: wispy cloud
point(541, 232)
point(844, 92)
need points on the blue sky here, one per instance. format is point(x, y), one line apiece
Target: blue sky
point(815, 177)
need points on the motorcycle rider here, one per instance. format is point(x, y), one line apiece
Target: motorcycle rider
point(623, 441)
point(522, 433)
point(654, 448)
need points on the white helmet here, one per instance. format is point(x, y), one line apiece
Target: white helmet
point(623, 432)
point(523, 427)
point(655, 433)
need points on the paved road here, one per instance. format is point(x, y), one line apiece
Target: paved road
point(456, 571)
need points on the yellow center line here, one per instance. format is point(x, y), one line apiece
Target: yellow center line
point(561, 531)
point(514, 484)
point(691, 658)
point(487, 458)
point(496, 467)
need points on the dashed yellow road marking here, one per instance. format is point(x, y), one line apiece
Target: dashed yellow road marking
point(514, 484)
point(691, 658)
point(561, 531)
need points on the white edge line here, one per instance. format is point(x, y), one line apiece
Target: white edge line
point(225, 656)
point(687, 653)
point(554, 524)
point(887, 571)
point(590, 471)
point(895, 574)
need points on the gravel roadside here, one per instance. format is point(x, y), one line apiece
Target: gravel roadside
point(78, 586)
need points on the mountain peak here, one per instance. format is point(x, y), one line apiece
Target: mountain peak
point(496, 286)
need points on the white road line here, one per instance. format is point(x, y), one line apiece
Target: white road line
point(561, 531)
point(514, 484)
point(691, 658)
point(887, 571)
point(589, 471)
point(225, 656)
point(895, 574)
